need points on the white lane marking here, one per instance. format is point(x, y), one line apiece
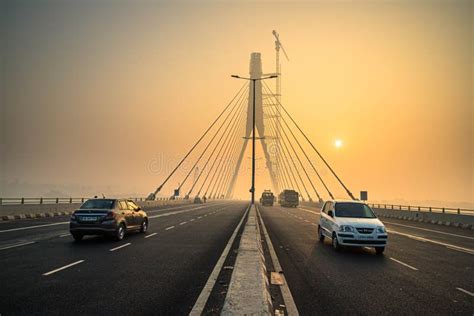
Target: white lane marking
point(168, 228)
point(469, 252)
point(449, 246)
point(64, 235)
point(306, 221)
point(179, 212)
point(465, 291)
point(191, 220)
point(31, 227)
point(314, 224)
point(18, 245)
point(309, 211)
point(63, 267)
point(120, 247)
point(182, 223)
point(198, 307)
point(199, 217)
point(65, 223)
point(285, 290)
point(404, 264)
point(429, 230)
point(151, 235)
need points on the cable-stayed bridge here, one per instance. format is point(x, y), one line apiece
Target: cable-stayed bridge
point(229, 257)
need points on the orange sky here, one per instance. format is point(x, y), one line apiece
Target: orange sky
point(93, 93)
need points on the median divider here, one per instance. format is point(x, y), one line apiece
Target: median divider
point(248, 292)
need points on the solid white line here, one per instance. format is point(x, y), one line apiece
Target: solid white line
point(429, 230)
point(198, 307)
point(465, 251)
point(18, 245)
point(31, 227)
point(151, 235)
point(64, 267)
point(182, 223)
point(449, 246)
point(309, 211)
point(285, 290)
point(168, 228)
point(404, 264)
point(465, 291)
point(119, 247)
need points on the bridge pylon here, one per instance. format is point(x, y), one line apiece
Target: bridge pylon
point(255, 73)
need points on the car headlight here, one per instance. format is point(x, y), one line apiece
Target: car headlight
point(381, 229)
point(346, 228)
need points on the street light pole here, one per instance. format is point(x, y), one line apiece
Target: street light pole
point(252, 189)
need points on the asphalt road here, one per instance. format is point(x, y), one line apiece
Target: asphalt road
point(162, 272)
point(426, 269)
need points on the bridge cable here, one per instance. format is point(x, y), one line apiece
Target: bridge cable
point(224, 155)
point(153, 195)
point(307, 157)
point(224, 145)
point(273, 127)
point(304, 169)
point(234, 115)
point(314, 148)
point(236, 105)
point(294, 164)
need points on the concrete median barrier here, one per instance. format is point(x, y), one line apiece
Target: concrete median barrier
point(248, 292)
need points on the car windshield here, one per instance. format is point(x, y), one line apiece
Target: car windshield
point(98, 204)
point(357, 210)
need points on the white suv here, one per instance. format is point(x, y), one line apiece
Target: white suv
point(351, 223)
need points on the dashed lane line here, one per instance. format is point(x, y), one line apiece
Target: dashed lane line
point(18, 245)
point(404, 264)
point(182, 223)
point(168, 228)
point(32, 227)
point(120, 247)
point(151, 235)
point(63, 267)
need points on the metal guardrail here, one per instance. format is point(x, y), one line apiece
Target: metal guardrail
point(427, 209)
point(61, 200)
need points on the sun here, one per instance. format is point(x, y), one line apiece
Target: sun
point(338, 143)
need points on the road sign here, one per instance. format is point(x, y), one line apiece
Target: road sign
point(364, 195)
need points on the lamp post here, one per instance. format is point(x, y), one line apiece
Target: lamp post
point(252, 189)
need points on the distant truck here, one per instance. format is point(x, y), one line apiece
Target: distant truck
point(289, 198)
point(267, 198)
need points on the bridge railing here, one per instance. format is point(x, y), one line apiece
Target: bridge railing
point(428, 209)
point(61, 200)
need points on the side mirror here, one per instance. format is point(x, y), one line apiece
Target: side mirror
point(330, 213)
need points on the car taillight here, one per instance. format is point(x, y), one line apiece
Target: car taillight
point(109, 216)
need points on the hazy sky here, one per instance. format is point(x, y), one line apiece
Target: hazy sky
point(94, 92)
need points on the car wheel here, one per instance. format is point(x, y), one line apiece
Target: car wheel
point(335, 243)
point(120, 232)
point(320, 233)
point(144, 226)
point(379, 250)
point(77, 237)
